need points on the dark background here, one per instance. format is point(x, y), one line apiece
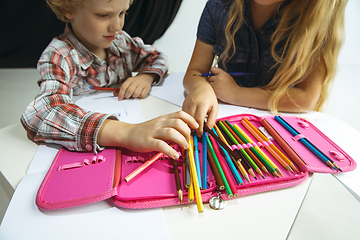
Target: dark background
point(28, 26)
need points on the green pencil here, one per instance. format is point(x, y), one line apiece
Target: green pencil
point(221, 173)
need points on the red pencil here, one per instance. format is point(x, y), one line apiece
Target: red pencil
point(104, 89)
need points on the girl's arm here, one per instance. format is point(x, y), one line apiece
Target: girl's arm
point(201, 100)
point(301, 98)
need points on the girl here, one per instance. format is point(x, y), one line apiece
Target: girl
point(291, 46)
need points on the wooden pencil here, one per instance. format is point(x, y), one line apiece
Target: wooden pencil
point(224, 168)
point(220, 170)
point(241, 150)
point(177, 180)
point(238, 163)
point(249, 150)
point(214, 171)
point(143, 166)
point(194, 177)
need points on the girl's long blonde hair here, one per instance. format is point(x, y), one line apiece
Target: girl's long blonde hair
point(313, 31)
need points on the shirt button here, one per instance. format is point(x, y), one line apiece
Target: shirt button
point(88, 147)
point(253, 61)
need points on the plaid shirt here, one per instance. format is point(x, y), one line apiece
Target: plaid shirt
point(67, 68)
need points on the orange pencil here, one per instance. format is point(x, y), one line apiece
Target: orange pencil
point(143, 166)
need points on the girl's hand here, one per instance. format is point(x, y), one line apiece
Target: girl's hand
point(152, 135)
point(202, 102)
point(223, 85)
point(136, 87)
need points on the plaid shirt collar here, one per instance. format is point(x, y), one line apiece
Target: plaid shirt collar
point(87, 58)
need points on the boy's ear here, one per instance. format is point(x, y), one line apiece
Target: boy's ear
point(67, 14)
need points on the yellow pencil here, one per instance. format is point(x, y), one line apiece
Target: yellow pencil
point(194, 180)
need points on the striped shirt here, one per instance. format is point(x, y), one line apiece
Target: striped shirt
point(67, 68)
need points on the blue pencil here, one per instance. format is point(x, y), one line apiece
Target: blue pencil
point(197, 160)
point(306, 142)
point(230, 73)
point(230, 163)
point(204, 161)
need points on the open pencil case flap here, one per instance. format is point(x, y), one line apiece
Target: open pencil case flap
point(294, 148)
point(78, 178)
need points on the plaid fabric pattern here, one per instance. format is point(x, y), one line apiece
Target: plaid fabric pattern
point(67, 68)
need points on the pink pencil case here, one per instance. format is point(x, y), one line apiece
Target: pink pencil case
point(79, 178)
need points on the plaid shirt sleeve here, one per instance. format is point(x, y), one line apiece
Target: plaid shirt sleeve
point(52, 117)
point(145, 58)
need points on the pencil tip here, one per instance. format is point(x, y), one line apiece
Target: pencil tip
point(263, 177)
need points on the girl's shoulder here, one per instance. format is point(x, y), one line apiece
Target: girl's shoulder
point(219, 4)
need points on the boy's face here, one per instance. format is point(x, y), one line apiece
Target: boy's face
point(97, 23)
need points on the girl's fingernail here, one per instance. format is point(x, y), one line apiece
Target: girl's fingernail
point(176, 156)
point(196, 125)
point(186, 145)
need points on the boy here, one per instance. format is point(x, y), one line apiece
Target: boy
point(93, 51)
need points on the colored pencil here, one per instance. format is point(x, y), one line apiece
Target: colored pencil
point(194, 180)
point(220, 170)
point(177, 180)
point(226, 133)
point(230, 164)
point(225, 146)
point(260, 161)
point(104, 88)
point(262, 156)
point(224, 167)
point(187, 179)
point(241, 150)
point(196, 157)
point(143, 167)
point(239, 164)
point(191, 190)
point(285, 146)
point(204, 161)
point(270, 150)
point(230, 73)
point(249, 149)
point(261, 138)
point(306, 142)
point(214, 171)
point(270, 164)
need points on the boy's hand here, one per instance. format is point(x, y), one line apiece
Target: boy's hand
point(136, 87)
point(152, 135)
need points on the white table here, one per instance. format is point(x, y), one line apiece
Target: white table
point(307, 211)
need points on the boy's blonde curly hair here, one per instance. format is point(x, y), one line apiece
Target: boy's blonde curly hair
point(60, 7)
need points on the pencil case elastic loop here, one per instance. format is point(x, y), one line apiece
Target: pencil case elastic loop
point(74, 165)
point(298, 137)
point(338, 156)
point(304, 125)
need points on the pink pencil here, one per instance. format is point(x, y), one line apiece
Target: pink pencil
point(143, 166)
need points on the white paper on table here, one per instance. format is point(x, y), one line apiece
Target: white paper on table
point(93, 221)
point(172, 91)
point(128, 110)
point(101, 220)
point(249, 217)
